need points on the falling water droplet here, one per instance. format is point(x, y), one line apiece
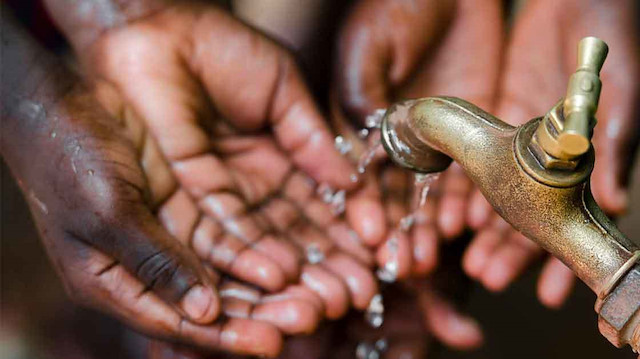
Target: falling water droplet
point(338, 202)
point(53, 134)
point(365, 350)
point(381, 345)
point(375, 119)
point(336, 199)
point(343, 145)
point(325, 192)
point(363, 134)
point(423, 182)
point(389, 272)
point(314, 254)
point(407, 222)
point(368, 156)
point(90, 172)
point(354, 178)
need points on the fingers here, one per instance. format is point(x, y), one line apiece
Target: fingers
point(359, 279)
point(268, 90)
point(333, 291)
point(424, 243)
point(365, 212)
point(127, 298)
point(452, 205)
point(479, 211)
point(290, 313)
point(555, 283)
point(228, 239)
point(446, 323)
point(303, 133)
point(497, 255)
point(616, 138)
point(509, 261)
point(159, 261)
point(372, 59)
point(394, 255)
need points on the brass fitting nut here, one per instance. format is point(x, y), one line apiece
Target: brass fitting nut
point(546, 160)
point(619, 312)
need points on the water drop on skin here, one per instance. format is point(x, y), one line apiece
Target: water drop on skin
point(374, 314)
point(314, 254)
point(375, 119)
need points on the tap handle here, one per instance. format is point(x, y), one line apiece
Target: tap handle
point(581, 101)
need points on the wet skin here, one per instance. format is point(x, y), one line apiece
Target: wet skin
point(407, 335)
point(81, 171)
point(231, 183)
point(237, 165)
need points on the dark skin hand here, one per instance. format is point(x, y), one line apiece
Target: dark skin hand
point(238, 147)
point(539, 61)
point(80, 171)
point(97, 209)
point(83, 173)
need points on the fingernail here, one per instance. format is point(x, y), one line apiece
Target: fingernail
point(467, 329)
point(197, 301)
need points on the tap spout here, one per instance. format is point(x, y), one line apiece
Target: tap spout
point(563, 220)
point(554, 208)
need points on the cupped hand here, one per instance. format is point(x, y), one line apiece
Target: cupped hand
point(241, 148)
point(539, 61)
point(389, 50)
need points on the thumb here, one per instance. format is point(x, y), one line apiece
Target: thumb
point(165, 266)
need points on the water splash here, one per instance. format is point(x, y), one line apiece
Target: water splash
point(336, 199)
point(314, 254)
point(343, 145)
point(367, 350)
point(422, 184)
point(368, 155)
point(375, 119)
point(389, 273)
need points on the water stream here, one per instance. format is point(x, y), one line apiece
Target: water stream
point(374, 314)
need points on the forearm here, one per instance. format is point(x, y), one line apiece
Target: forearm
point(34, 87)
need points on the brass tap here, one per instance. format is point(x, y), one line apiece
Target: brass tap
point(536, 177)
point(564, 134)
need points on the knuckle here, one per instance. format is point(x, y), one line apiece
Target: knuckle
point(163, 273)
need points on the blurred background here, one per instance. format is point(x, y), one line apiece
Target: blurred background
point(37, 321)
